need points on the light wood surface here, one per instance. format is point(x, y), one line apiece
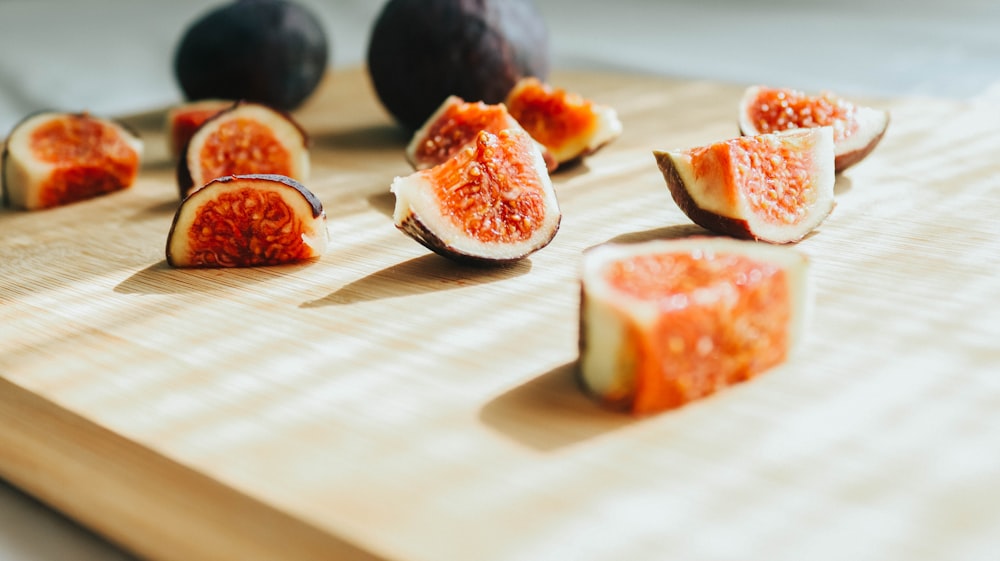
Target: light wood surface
point(384, 403)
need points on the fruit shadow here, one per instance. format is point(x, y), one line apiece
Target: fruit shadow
point(551, 411)
point(842, 185)
point(428, 273)
point(384, 202)
point(168, 207)
point(161, 278)
point(367, 137)
point(568, 170)
point(676, 231)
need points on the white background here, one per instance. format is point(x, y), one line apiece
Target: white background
point(113, 57)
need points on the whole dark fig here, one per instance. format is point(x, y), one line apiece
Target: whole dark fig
point(422, 51)
point(269, 51)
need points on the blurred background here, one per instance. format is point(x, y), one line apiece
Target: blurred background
point(113, 57)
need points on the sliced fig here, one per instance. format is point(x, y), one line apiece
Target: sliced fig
point(772, 187)
point(455, 124)
point(184, 120)
point(53, 159)
point(491, 202)
point(667, 322)
point(247, 221)
point(566, 123)
point(857, 129)
point(246, 139)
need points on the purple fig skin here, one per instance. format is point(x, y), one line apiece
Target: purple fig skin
point(274, 52)
point(421, 51)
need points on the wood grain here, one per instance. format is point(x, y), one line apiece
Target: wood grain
point(385, 403)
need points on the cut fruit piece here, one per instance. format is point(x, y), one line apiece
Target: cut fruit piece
point(247, 221)
point(185, 119)
point(857, 129)
point(491, 202)
point(569, 125)
point(52, 159)
point(246, 139)
point(666, 322)
point(771, 187)
point(455, 124)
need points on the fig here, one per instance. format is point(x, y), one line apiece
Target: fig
point(422, 51)
point(247, 221)
point(246, 139)
point(667, 322)
point(184, 120)
point(857, 129)
point(269, 51)
point(492, 202)
point(455, 124)
point(773, 187)
point(54, 158)
point(566, 123)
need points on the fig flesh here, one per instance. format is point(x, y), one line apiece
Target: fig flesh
point(455, 124)
point(566, 123)
point(491, 202)
point(857, 129)
point(771, 187)
point(247, 221)
point(53, 159)
point(667, 322)
point(185, 119)
point(269, 51)
point(246, 139)
point(422, 51)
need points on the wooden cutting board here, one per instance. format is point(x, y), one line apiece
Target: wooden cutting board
point(384, 403)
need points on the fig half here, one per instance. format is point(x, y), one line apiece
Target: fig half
point(246, 139)
point(857, 129)
point(666, 322)
point(247, 221)
point(566, 123)
point(52, 159)
point(772, 187)
point(455, 124)
point(491, 202)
